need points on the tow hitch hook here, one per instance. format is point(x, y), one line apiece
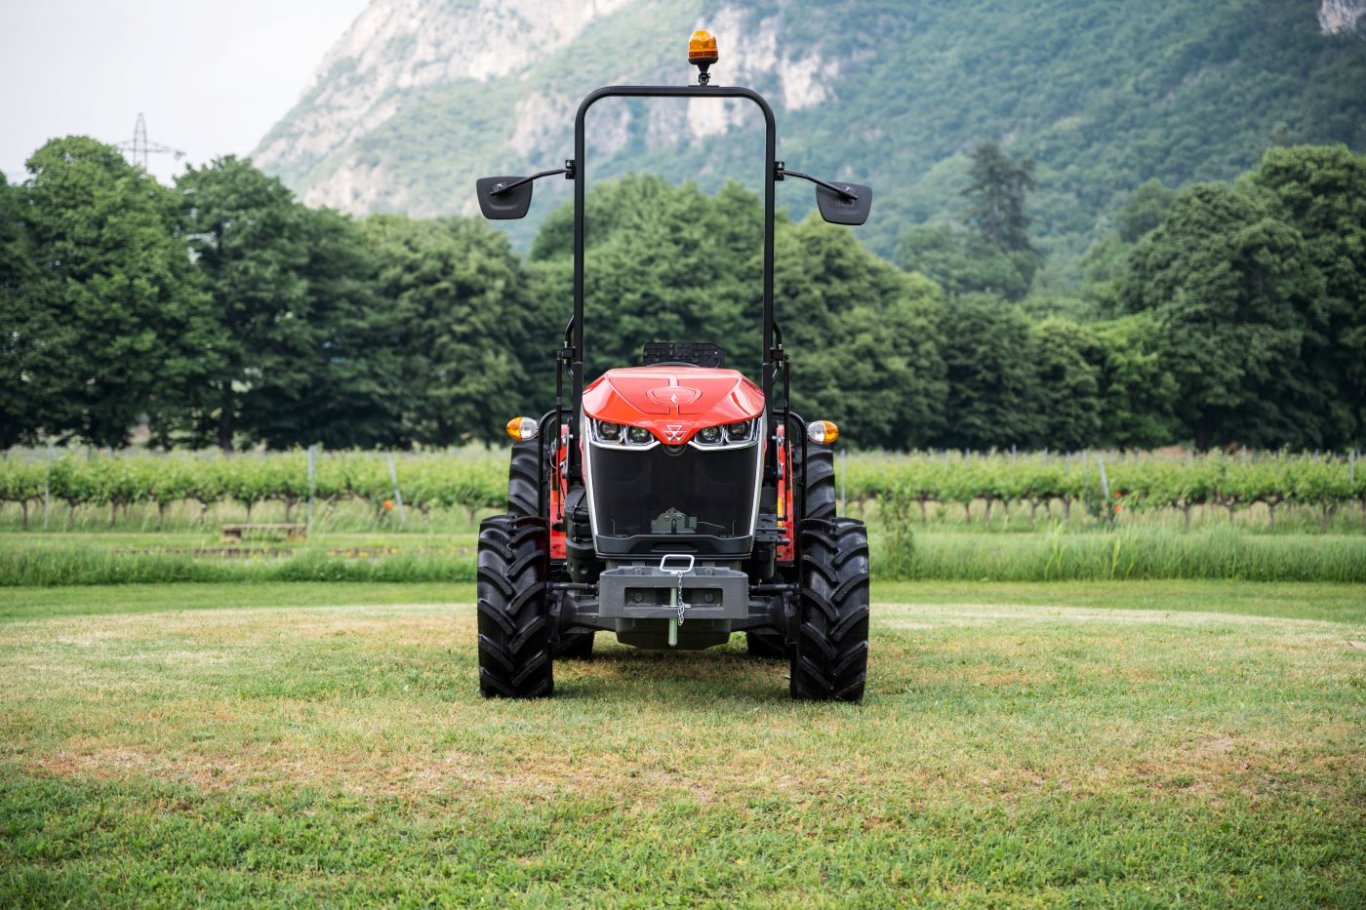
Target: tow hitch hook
point(676, 592)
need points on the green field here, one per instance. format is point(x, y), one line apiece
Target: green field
point(1117, 744)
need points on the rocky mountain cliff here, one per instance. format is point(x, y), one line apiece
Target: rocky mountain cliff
point(1338, 17)
point(394, 51)
point(422, 96)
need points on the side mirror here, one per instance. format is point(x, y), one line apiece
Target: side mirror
point(503, 198)
point(839, 208)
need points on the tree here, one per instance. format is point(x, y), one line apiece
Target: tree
point(456, 296)
point(992, 383)
point(352, 394)
point(1138, 391)
point(1235, 292)
point(863, 336)
point(136, 336)
point(31, 341)
point(669, 262)
point(1145, 210)
point(1321, 193)
point(662, 263)
point(549, 305)
point(1105, 267)
point(251, 247)
point(995, 256)
point(964, 262)
point(997, 189)
point(1067, 395)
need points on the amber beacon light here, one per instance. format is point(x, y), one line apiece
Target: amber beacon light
point(702, 54)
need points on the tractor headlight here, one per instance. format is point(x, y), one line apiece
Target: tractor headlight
point(610, 431)
point(639, 435)
point(738, 432)
point(723, 434)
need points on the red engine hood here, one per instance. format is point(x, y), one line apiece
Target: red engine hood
point(667, 399)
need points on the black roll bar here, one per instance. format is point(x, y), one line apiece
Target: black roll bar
point(770, 181)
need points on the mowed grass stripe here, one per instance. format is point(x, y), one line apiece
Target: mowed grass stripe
point(1009, 754)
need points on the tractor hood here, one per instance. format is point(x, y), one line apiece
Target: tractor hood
point(672, 402)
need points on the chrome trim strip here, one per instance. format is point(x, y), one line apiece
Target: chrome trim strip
point(588, 477)
point(722, 445)
point(760, 424)
point(758, 480)
point(627, 446)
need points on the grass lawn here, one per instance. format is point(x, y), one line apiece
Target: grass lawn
point(1107, 744)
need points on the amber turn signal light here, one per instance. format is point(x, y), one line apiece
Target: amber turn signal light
point(702, 48)
point(822, 432)
point(523, 428)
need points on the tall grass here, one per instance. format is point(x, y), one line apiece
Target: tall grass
point(1133, 553)
point(946, 555)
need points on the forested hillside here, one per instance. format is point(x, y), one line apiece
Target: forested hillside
point(422, 97)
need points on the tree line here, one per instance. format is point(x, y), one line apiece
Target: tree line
point(222, 312)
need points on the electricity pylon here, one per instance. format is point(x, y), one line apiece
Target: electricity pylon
point(139, 148)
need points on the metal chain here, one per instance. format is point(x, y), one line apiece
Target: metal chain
point(682, 604)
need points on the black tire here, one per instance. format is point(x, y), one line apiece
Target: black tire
point(514, 614)
point(769, 645)
point(830, 659)
point(818, 496)
point(524, 479)
point(524, 499)
point(575, 646)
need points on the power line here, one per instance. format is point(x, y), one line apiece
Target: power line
point(139, 148)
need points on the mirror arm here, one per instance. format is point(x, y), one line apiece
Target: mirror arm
point(567, 170)
point(780, 171)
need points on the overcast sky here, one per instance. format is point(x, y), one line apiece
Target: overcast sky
point(211, 77)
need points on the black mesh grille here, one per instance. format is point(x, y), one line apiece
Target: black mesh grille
point(654, 492)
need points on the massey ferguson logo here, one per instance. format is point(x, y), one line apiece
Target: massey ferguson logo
point(674, 432)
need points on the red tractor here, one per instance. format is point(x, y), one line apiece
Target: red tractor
point(676, 502)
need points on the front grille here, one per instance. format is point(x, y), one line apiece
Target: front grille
point(657, 492)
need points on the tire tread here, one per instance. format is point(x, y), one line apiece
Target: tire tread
point(515, 658)
point(830, 658)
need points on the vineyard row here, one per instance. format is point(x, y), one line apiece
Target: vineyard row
point(903, 485)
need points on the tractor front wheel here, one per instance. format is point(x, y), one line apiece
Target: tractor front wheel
point(830, 659)
point(524, 479)
point(818, 494)
point(515, 658)
point(525, 494)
